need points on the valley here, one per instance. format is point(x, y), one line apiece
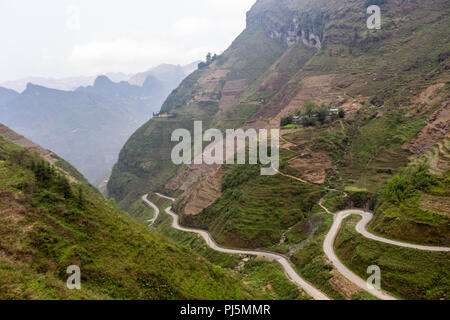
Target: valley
point(88, 125)
point(362, 101)
point(336, 184)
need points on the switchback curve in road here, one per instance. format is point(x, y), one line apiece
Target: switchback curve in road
point(361, 228)
point(287, 266)
point(154, 207)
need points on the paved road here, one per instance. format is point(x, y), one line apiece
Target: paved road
point(328, 248)
point(361, 228)
point(289, 270)
point(154, 207)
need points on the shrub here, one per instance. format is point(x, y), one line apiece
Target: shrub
point(375, 2)
point(323, 114)
point(286, 120)
point(402, 187)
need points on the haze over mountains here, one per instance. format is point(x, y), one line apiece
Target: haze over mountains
point(164, 72)
point(364, 123)
point(49, 211)
point(88, 125)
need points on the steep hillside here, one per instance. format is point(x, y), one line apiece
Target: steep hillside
point(6, 95)
point(51, 220)
point(389, 84)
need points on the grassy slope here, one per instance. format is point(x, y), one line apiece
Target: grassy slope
point(384, 68)
point(144, 162)
point(401, 214)
point(255, 210)
point(49, 223)
point(408, 273)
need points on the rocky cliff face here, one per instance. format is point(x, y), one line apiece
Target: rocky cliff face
point(290, 30)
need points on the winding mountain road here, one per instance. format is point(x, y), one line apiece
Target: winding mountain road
point(328, 247)
point(287, 266)
point(361, 228)
point(154, 207)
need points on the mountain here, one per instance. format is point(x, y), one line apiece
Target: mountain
point(372, 108)
point(52, 219)
point(171, 74)
point(6, 95)
point(88, 126)
point(165, 72)
point(66, 84)
point(152, 89)
point(88, 121)
point(118, 76)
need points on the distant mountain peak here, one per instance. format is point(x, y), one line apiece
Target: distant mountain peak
point(33, 88)
point(102, 81)
point(30, 86)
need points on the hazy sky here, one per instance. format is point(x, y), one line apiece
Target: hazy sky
point(58, 38)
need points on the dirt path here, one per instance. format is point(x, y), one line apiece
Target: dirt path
point(295, 178)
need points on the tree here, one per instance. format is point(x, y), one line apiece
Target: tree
point(397, 189)
point(209, 58)
point(323, 114)
point(43, 171)
point(64, 187)
point(80, 200)
point(309, 122)
point(286, 120)
point(309, 107)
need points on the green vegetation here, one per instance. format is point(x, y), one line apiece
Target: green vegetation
point(145, 161)
point(141, 212)
point(311, 114)
point(375, 80)
point(308, 256)
point(304, 244)
point(209, 59)
point(50, 222)
point(334, 201)
point(401, 214)
point(286, 120)
point(292, 126)
point(375, 2)
point(264, 276)
point(373, 149)
point(255, 210)
point(379, 134)
point(407, 273)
